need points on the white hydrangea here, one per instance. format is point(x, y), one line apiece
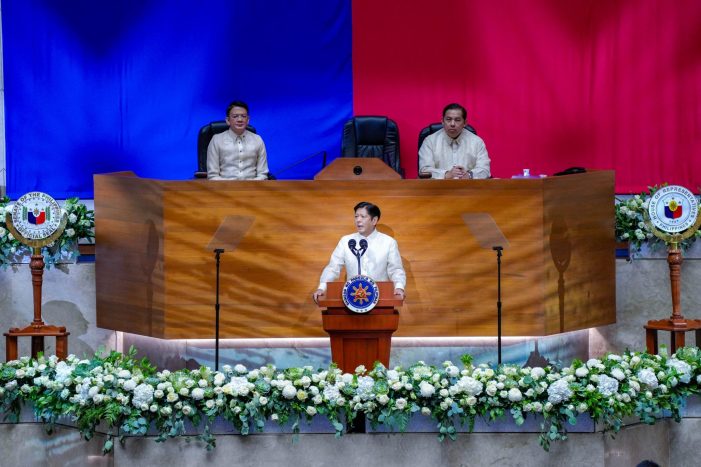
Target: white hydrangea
point(452, 371)
point(683, 368)
point(63, 371)
point(143, 394)
point(129, 385)
point(648, 378)
point(467, 385)
point(595, 363)
point(365, 387)
point(124, 374)
point(426, 389)
point(607, 386)
point(618, 374)
point(559, 391)
point(240, 369)
point(72, 218)
point(537, 373)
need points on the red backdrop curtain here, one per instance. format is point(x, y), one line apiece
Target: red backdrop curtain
point(548, 84)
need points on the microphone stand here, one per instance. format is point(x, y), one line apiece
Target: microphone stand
point(217, 254)
point(498, 249)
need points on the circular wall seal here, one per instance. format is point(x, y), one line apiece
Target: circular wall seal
point(36, 216)
point(360, 294)
point(673, 209)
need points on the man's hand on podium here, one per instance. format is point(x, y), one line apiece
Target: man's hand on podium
point(399, 293)
point(318, 294)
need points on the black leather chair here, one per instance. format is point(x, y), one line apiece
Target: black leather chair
point(372, 136)
point(429, 130)
point(204, 137)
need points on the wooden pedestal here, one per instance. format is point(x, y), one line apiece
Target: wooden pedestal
point(360, 339)
point(37, 330)
point(37, 333)
point(677, 337)
point(676, 324)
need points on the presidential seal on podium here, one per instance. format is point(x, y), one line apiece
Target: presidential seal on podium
point(360, 294)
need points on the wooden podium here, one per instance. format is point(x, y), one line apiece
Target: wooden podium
point(360, 339)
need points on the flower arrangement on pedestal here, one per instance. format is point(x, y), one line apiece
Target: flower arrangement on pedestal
point(630, 221)
point(80, 226)
point(130, 397)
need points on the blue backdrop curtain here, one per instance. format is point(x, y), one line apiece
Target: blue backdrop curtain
point(95, 87)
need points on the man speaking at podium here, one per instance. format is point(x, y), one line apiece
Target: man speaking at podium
point(380, 258)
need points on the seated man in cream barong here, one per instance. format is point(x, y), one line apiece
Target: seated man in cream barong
point(454, 152)
point(381, 261)
point(237, 154)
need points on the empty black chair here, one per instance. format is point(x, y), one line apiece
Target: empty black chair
point(204, 137)
point(429, 130)
point(372, 136)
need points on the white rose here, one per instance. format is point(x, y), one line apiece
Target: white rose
point(240, 369)
point(581, 372)
point(400, 403)
point(426, 389)
point(289, 392)
point(383, 399)
point(70, 232)
point(263, 400)
point(311, 410)
point(515, 395)
point(425, 411)
point(72, 218)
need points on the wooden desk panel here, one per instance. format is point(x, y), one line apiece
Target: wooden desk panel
point(266, 283)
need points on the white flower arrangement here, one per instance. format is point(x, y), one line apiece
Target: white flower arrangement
point(131, 396)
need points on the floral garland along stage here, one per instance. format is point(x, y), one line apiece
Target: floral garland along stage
point(80, 226)
point(630, 221)
point(129, 396)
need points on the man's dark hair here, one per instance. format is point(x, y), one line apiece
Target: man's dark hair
point(236, 104)
point(372, 209)
point(455, 106)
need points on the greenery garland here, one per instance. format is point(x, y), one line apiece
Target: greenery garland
point(130, 396)
point(80, 226)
